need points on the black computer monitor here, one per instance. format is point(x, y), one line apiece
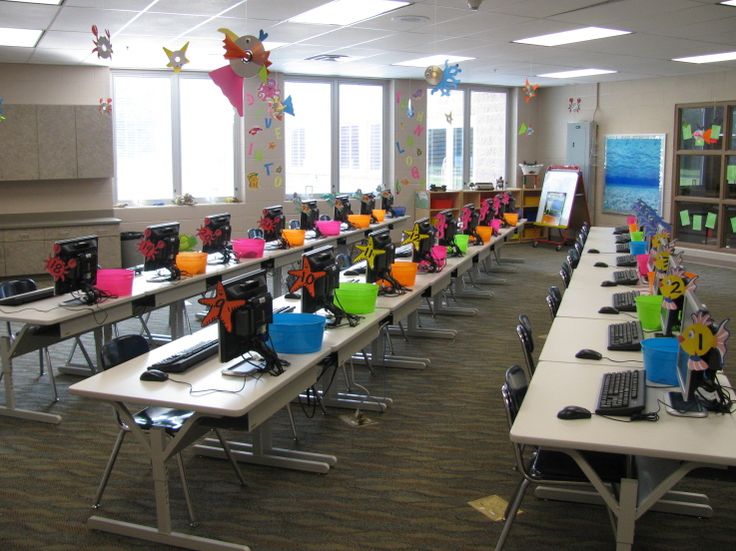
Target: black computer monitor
point(73, 264)
point(382, 252)
point(317, 279)
point(272, 222)
point(215, 236)
point(421, 238)
point(367, 203)
point(309, 215)
point(469, 222)
point(446, 226)
point(342, 208)
point(243, 327)
point(387, 201)
point(159, 247)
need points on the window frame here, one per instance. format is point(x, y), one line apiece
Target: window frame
point(335, 83)
point(176, 157)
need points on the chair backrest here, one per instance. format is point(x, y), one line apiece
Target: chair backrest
point(566, 273)
point(122, 349)
point(573, 258)
point(555, 292)
point(526, 322)
point(578, 247)
point(515, 387)
point(14, 287)
point(552, 305)
point(527, 347)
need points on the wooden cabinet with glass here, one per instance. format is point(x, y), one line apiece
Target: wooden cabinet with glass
point(704, 191)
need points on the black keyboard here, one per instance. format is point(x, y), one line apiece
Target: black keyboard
point(184, 359)
point(623, 238)
point(626, 260)
point(626, 301)
point(622, 393)
point(622, 248)
point(626, 277)
point(30, 296)
point(620, 229)
point(625, 336)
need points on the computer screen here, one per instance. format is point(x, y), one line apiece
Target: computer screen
point(309, 215)
point(446, 226)
point(73, 264)
point(272, 222)
point(342, 208)
point(159, 246)
point(387, 201)
point(381, 250)
point(215, 235)
point(367, 203)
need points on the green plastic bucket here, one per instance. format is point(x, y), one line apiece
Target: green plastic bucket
point(356, 298)
point(637, 235)
point(648, 310)
point(461, 240)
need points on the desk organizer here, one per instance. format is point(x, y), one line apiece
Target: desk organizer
point(248, 248)
point(297, 333)
point(356, 298)
point(191, 263)
point(115, 281)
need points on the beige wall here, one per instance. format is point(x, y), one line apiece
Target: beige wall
point(631, 107)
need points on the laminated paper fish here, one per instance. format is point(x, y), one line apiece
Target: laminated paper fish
point(673, 287)
point(701, 337)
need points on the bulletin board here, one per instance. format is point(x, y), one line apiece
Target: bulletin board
point(558, 195)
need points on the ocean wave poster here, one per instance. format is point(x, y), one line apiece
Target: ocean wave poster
point(634, 169)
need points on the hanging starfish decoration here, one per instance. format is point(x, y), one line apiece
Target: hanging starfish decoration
point(221, 308)
point(414, 237)
point(305, 278)
point(449, 80)
point(530, 91)
point(177, 58)
point(368, 253)
point(448, 117)
point(102, 43)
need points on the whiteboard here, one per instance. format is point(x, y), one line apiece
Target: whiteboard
point(558, 195)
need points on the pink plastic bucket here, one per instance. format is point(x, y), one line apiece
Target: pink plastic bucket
point(496, 225)
point(328, 227)
point(115, 281)
point(248, 248)
point(642, 262)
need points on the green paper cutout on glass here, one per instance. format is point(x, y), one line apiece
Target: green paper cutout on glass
point(697, 222)
point(699, 142)
point(685, 217)
point(687, 132)
point(731, 174)
point(715, 132)
point(733, 224)
point(710, 220)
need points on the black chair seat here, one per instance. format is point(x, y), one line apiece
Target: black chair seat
point(560, 466)
point(162, 418)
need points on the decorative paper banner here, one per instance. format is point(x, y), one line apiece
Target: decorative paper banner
point(177, 58)
point(102, 43)
point(701, 337)
point(220, 308)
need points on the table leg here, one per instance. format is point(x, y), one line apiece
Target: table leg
point(378, 357)
point(626, 514)
point(461, 290)
point(441, 308)
point(413, 330)
point(10, 409)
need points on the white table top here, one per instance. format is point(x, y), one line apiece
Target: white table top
point(556, 385)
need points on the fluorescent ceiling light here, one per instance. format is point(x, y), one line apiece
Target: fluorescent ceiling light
point(50, 2)
point(347, 12)
point(570, 37)
point(24, 38)
point(432, 60)
point(578, 73)
point(271, 45)
point(729, 3)
point(709, 58)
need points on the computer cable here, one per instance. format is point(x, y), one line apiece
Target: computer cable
point(622, 361)
point(204, 391)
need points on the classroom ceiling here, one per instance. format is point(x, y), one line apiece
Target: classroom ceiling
point(662, 30)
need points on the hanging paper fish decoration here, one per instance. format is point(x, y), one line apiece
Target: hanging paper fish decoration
point(673, 287)
point(701, 337)
point(484, 208)
point(441, 226)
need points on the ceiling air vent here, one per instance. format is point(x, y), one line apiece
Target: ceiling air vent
point(335, 58)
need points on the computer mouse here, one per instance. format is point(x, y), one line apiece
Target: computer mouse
point(293, 296)
point(154, 375)
point(588, 354)
point(608, 284)
point(593, 251)
point(600, 265)
point(607, 310)
point(573, 412)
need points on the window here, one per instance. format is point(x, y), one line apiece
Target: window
point(341, 141)
point(174, 134)
point(466, 136)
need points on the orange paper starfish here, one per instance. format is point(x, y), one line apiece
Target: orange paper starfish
point(220, 308)
point(305, 278)
point(530, 91)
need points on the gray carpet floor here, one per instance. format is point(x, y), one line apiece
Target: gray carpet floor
point(401, 483)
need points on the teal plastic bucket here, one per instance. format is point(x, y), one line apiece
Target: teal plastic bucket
point(638, 247)
point(296, 333)
point(660, 360)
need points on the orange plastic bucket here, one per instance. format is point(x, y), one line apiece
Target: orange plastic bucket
point(405, 273)
point(379, 214)
point(295, 238)
point(191, 263)
point(360, 220)
point(512, 218)
point(485, 233)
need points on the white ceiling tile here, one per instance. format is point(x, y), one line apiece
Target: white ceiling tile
point(26, 16)
point(11, 54)
point(237, 25)
point(82, 19)
point(134, 5)
point(199, 7)
point(163, 24)
point(70, 40)
point(64, 56)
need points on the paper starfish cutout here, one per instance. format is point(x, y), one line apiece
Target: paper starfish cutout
point(368, 253)
point(177, 58)
point(305, 278)
point(530, 91)
point(220, 308)
point(414, 237)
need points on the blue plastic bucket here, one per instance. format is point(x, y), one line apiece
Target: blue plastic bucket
point(638, 247)
point(297, 333)
point(660, 360)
